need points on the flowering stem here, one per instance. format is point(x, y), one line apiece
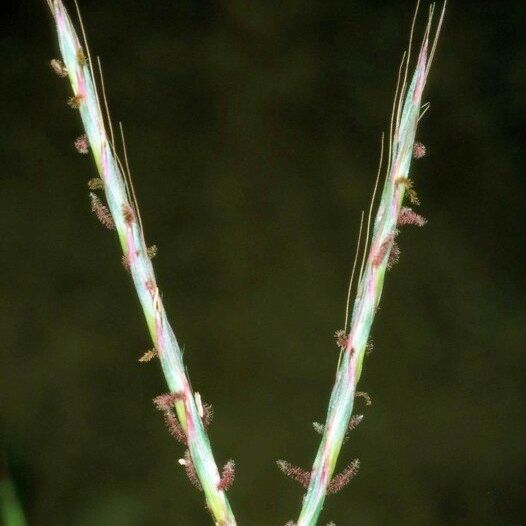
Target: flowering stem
point(126, 219)
point(370, 284)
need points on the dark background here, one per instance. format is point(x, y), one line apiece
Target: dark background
point(253, 131)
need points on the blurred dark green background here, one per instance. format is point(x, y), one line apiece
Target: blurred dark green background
point(253, 131)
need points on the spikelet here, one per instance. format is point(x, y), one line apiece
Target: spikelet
point(342, 339)
point(294, 472)
point(419, 150)
point(58, 67)
point(365, 396)
point(409, 189)
point(129, 215)
point(319, 428)
point(166, 401)
point(189, 468)
point(82, 144)
point(96, 183)
point(394, 255)
point(174, 427)
point(81, 57)
point(125, 260)
point(342, 479)
point(382, 250)
point(75, 101)
point(148, 355)
point(151, 251)
point(408, 217)
point(227, 476)
point(208, 415)
point(354, 422)
point(102, 213)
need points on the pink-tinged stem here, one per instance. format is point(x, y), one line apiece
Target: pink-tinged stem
point(370, 287)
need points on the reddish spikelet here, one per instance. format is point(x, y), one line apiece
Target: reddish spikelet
point(166, 401)
point(382, 250)
point(82, 144)
point(394, 255)
point(102, 213)
point(128, 214)
point(343, 478)
point(227, 476)
point(362, 394)
point(294, 472)
point(208, 415)
point(96, 184)
point(174, 427)
point(419, 150)
point(148, 355)
point(408, 217)
point(342, 339)
point(151, 252)
point(75, 101)
point(190, 470)
point(58, 67)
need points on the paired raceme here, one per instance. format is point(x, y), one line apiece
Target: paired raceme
point(184, 407)
point(185, 416)
point(383, 252)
